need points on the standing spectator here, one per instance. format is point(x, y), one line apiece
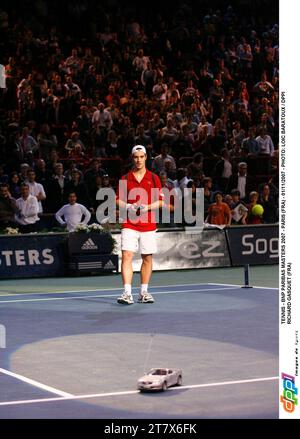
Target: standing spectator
point(55, 189)
point(72, 213)
point(223, 170)
point(35, 189)
point(28, 207)
point(219, 212)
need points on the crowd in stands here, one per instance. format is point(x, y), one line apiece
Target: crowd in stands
point(196, 85)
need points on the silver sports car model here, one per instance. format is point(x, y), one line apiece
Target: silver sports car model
point(160, 379)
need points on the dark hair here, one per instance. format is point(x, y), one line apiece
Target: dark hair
point(217, 193)
point(24, 185)
point(235, 192)
point(4, 185)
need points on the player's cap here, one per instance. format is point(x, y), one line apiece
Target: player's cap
point(137, 148)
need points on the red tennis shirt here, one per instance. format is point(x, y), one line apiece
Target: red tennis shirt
point(145, 222)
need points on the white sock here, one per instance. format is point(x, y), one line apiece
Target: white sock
point(127, 288)
point(144, 288)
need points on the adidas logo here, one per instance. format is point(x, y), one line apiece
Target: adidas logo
point(109, 264)
point(89, 245)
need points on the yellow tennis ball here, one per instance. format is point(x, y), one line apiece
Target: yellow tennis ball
point(257, 210)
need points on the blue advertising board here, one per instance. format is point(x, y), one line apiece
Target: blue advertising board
point(32, 255)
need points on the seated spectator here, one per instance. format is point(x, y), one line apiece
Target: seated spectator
point(241, 181)
point(28, 209)
point(15, 185)
point(169, 133)
point(27, 142)
point(47, 142)
point(72, 213)
point(102, 118)
point(73, 141)
point(160, 90)
point(80, 189)
point(141, 138)
point(8, 207)
point(24, 167)
point(253, 200)
point(236, 201)
point(71, 165)
point(265, 142)
point(263, 88)
point(111, 145)
point(159, 161)
point(250, 144)
point(218, 212)
point(42, 174)
point(3, 176)
point(270, 215)
point(195, 168)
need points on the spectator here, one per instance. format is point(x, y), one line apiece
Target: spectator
point(269, 205)
point(250, 144)
point(265, 142)
point(80, 189)
point(219, 212)
point(159, 161)
point(241, 181)
point(73, 141)
point(223, 170)
point(102, 118)
point(35, 189)
point(72, 213)
point(28, 209)
point(15, 185)
point(47, 142)
point(253, 219)
point(8, 207)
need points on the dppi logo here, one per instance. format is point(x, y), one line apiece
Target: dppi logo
point(288, 398)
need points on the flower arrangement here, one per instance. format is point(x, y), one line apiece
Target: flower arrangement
point(97, 228)
point(82, 228)
point(11, 231)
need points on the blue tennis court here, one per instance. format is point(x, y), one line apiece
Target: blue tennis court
point(76, 353)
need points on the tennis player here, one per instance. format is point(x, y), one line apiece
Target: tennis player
point(142, 197)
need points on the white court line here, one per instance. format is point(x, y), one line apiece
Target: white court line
point(234, 285)
point(134, 392)
point(103, 289)
point(36, 383)
point(111, 295)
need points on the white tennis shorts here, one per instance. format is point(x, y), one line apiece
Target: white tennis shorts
point(134, 241)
